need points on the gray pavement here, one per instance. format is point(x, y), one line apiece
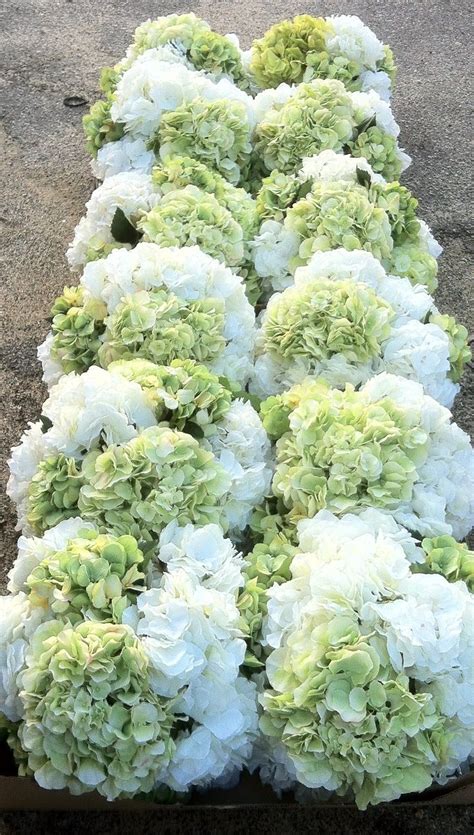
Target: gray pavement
point(54, 48)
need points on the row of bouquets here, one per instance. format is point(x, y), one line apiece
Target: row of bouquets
point(242, 507)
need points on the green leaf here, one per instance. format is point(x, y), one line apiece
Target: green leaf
point(304, 189)
point(363, 177)
point(46, 423)
point(370, 122)
point(122, 230)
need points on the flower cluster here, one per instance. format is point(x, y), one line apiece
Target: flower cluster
point(387, 446)
point(339, 47)
point(297, 122)
point(337, 201)
point(345, 319)
point(157, 303)
point(368, 686)
point(241, 508)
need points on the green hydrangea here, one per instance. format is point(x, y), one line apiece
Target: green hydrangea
point(91, 718)
point(459, 351)
point(336, 215)
point(159, 476)
point(99, 126)
point(191, 217)
point(378, 738)
point(288, 48)
point(95, 576)
point(277, 193)
point(185, 395)
point(178, 172)
point(342, 453)
point(379, 149)
point(181, 29)
point(77, 327)
point(400, 206)
point(324, 318)
point(53, 492)
point(268, 523)
point(159, 326)
point(216, 133)
point(409, 260)
point(215, 53)
point(445, 556)
point(387, 64)
point(268, 564)
point(317, 117)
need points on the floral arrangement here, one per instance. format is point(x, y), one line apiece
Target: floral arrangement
point(242, 508)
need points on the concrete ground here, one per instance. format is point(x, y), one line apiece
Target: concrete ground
point(54, 48)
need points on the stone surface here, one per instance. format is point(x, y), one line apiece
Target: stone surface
point(54, 48)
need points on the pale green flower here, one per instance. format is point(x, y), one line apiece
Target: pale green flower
point(185, 395)
point(317, 117)
point(180, 171)
point(288, 48)
point(191, 217)
point(160, 476)
point(400, 206)
point(459, 351)
point(336, 215)
point(342, 452)
point(216, 133)
point(77, 327)
point(411, 261)
point(53, 492)
point(91, 720)
point(278, 192)
point(99, 126)
point(445, 556)
point(95, 576)
point(325, 317)
point(379, 149)
point(159, 326)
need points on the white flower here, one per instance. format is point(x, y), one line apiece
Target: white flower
point(327, 166)
point(202, 552)
point(98, 404)
point(18, 621)
point(273, 248)
point(124, 154)
point(272, 98)
point(241, 445)
point(378, 81)
point(353, 40)
point(131, 192)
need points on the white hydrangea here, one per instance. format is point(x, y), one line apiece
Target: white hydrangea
point(327, 166)
point(133, 193)
point(203, 553)
point(353, 40)
point(379, 81)
point(152, 87)
point(34, 549)
point(192, 637)
point(413, 349)
point(190, 274)
point(443, 496)
point(352, 586)
point(97, 404)
point(241, 445)
point(272, 98)
point(18, 621)
point(123, 155)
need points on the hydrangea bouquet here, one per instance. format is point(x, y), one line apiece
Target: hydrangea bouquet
point(243, 504)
